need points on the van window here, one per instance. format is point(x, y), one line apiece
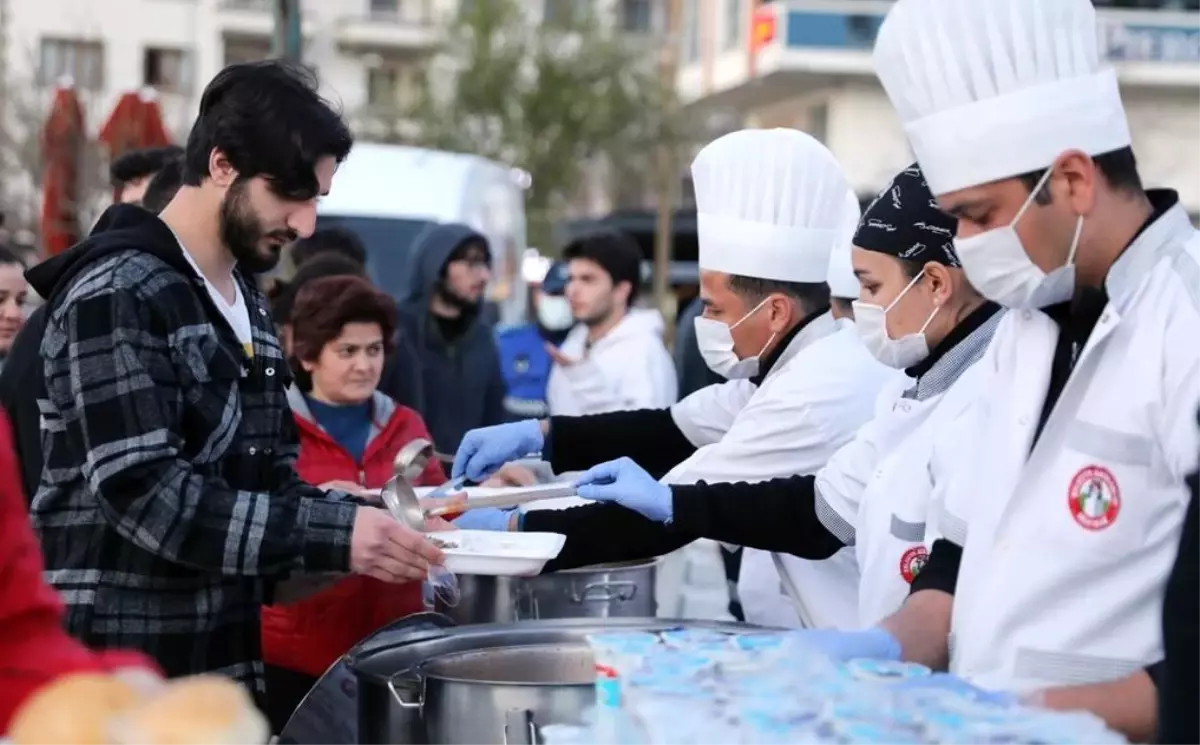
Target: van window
point(389, 242)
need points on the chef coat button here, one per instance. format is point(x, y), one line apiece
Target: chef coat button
point(262, 311)
point(266, 451)
point(270, 372)
point(1023, 421)
point(252, 450)
point(1104, 318)
point(1026, 315)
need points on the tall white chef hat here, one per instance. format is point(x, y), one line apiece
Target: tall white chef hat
point(768, 205)
point(991, 89)
point(841, 279)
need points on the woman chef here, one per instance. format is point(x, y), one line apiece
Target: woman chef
point(918, 313)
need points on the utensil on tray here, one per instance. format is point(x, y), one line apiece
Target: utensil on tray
point(514, 498)
point(402, 502)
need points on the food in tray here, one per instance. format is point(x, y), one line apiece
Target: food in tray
point(443, 541)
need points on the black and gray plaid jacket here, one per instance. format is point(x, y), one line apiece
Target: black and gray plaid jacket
point(168, 504)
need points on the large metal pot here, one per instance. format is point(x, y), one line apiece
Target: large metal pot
point(469, 697)
point(620, 590)
point(393, 708)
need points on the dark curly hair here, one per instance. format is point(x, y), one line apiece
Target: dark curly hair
point(269, 120)
point(324, 306)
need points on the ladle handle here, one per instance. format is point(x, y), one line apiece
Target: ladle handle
point(509, 499)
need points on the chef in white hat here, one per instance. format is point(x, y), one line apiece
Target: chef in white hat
point(770, 209)
point(1061, 522)
point(843, 285)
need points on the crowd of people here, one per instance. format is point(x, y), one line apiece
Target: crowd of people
point(212, 437)
point(957, 428)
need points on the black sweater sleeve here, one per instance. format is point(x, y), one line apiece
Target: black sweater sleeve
point(1178, 677)
point(602, 533)
point(941, 570)
point(775, 515)
point(649, 437)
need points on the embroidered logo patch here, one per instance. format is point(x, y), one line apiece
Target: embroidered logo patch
point(1094, 498)
point(912, 562)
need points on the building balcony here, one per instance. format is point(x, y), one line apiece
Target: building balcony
point(251, 19)
point(815, 43)
point(404, 26)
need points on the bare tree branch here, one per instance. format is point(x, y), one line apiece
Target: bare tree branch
point(549, 97)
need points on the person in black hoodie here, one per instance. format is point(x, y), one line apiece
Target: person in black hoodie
point(440, 310)
point(169, 510)
point(22, 380)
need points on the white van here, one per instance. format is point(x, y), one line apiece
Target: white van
point(389, 194)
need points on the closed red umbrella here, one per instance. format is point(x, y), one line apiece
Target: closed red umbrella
point(63, 138)
point(135, 123)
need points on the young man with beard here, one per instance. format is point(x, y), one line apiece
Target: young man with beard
point(463, 384)
point(169, 509)
point(614, 359)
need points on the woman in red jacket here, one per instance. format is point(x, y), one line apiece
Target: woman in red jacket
point(34, 649)
point(342, 328)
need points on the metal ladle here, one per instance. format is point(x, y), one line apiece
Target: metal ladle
point(412, 459)
point(403, 503)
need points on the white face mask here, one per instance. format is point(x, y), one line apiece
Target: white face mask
point(715, 341)
point(997, 265)
point(554, 313)
point(871, 321)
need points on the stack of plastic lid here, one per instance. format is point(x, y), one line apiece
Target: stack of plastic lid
point(694, 686)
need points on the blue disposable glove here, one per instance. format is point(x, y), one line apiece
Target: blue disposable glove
point(626, 483)
point(484, 450)
point(484, 518)
point(958, 686)
point(875, 644)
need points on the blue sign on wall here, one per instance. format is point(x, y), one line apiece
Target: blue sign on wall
point(1179, 44)
point(808, 29)
point(1118, 41)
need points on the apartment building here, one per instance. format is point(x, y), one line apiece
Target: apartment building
point(806, 64)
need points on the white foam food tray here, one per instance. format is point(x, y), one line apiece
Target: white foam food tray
point(499, 554)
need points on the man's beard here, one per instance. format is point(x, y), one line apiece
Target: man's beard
point(242, 232)
point(600, 316)
point(454, 300)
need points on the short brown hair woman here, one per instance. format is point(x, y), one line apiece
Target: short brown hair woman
point(342, 328)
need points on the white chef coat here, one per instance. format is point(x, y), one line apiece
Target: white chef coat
point(628, 368)
point(1067, 547)
point(875, 493)
point(812, 401)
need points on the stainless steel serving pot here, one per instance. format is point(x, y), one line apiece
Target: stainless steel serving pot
point(620, 590)
point(469, 697)
point(492, 683)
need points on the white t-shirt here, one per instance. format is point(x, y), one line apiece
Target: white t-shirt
point(236, 313)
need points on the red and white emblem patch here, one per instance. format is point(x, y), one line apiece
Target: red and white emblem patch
point(912, 561)
point(1094, 498)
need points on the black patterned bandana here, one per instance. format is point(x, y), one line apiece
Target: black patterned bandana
point(904, 221)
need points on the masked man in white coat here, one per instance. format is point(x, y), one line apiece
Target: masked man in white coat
point(1061, 523)
point(771, 206)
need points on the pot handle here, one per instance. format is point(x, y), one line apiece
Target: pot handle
point(519, 728)
point(605, 592)
point(406, 688)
